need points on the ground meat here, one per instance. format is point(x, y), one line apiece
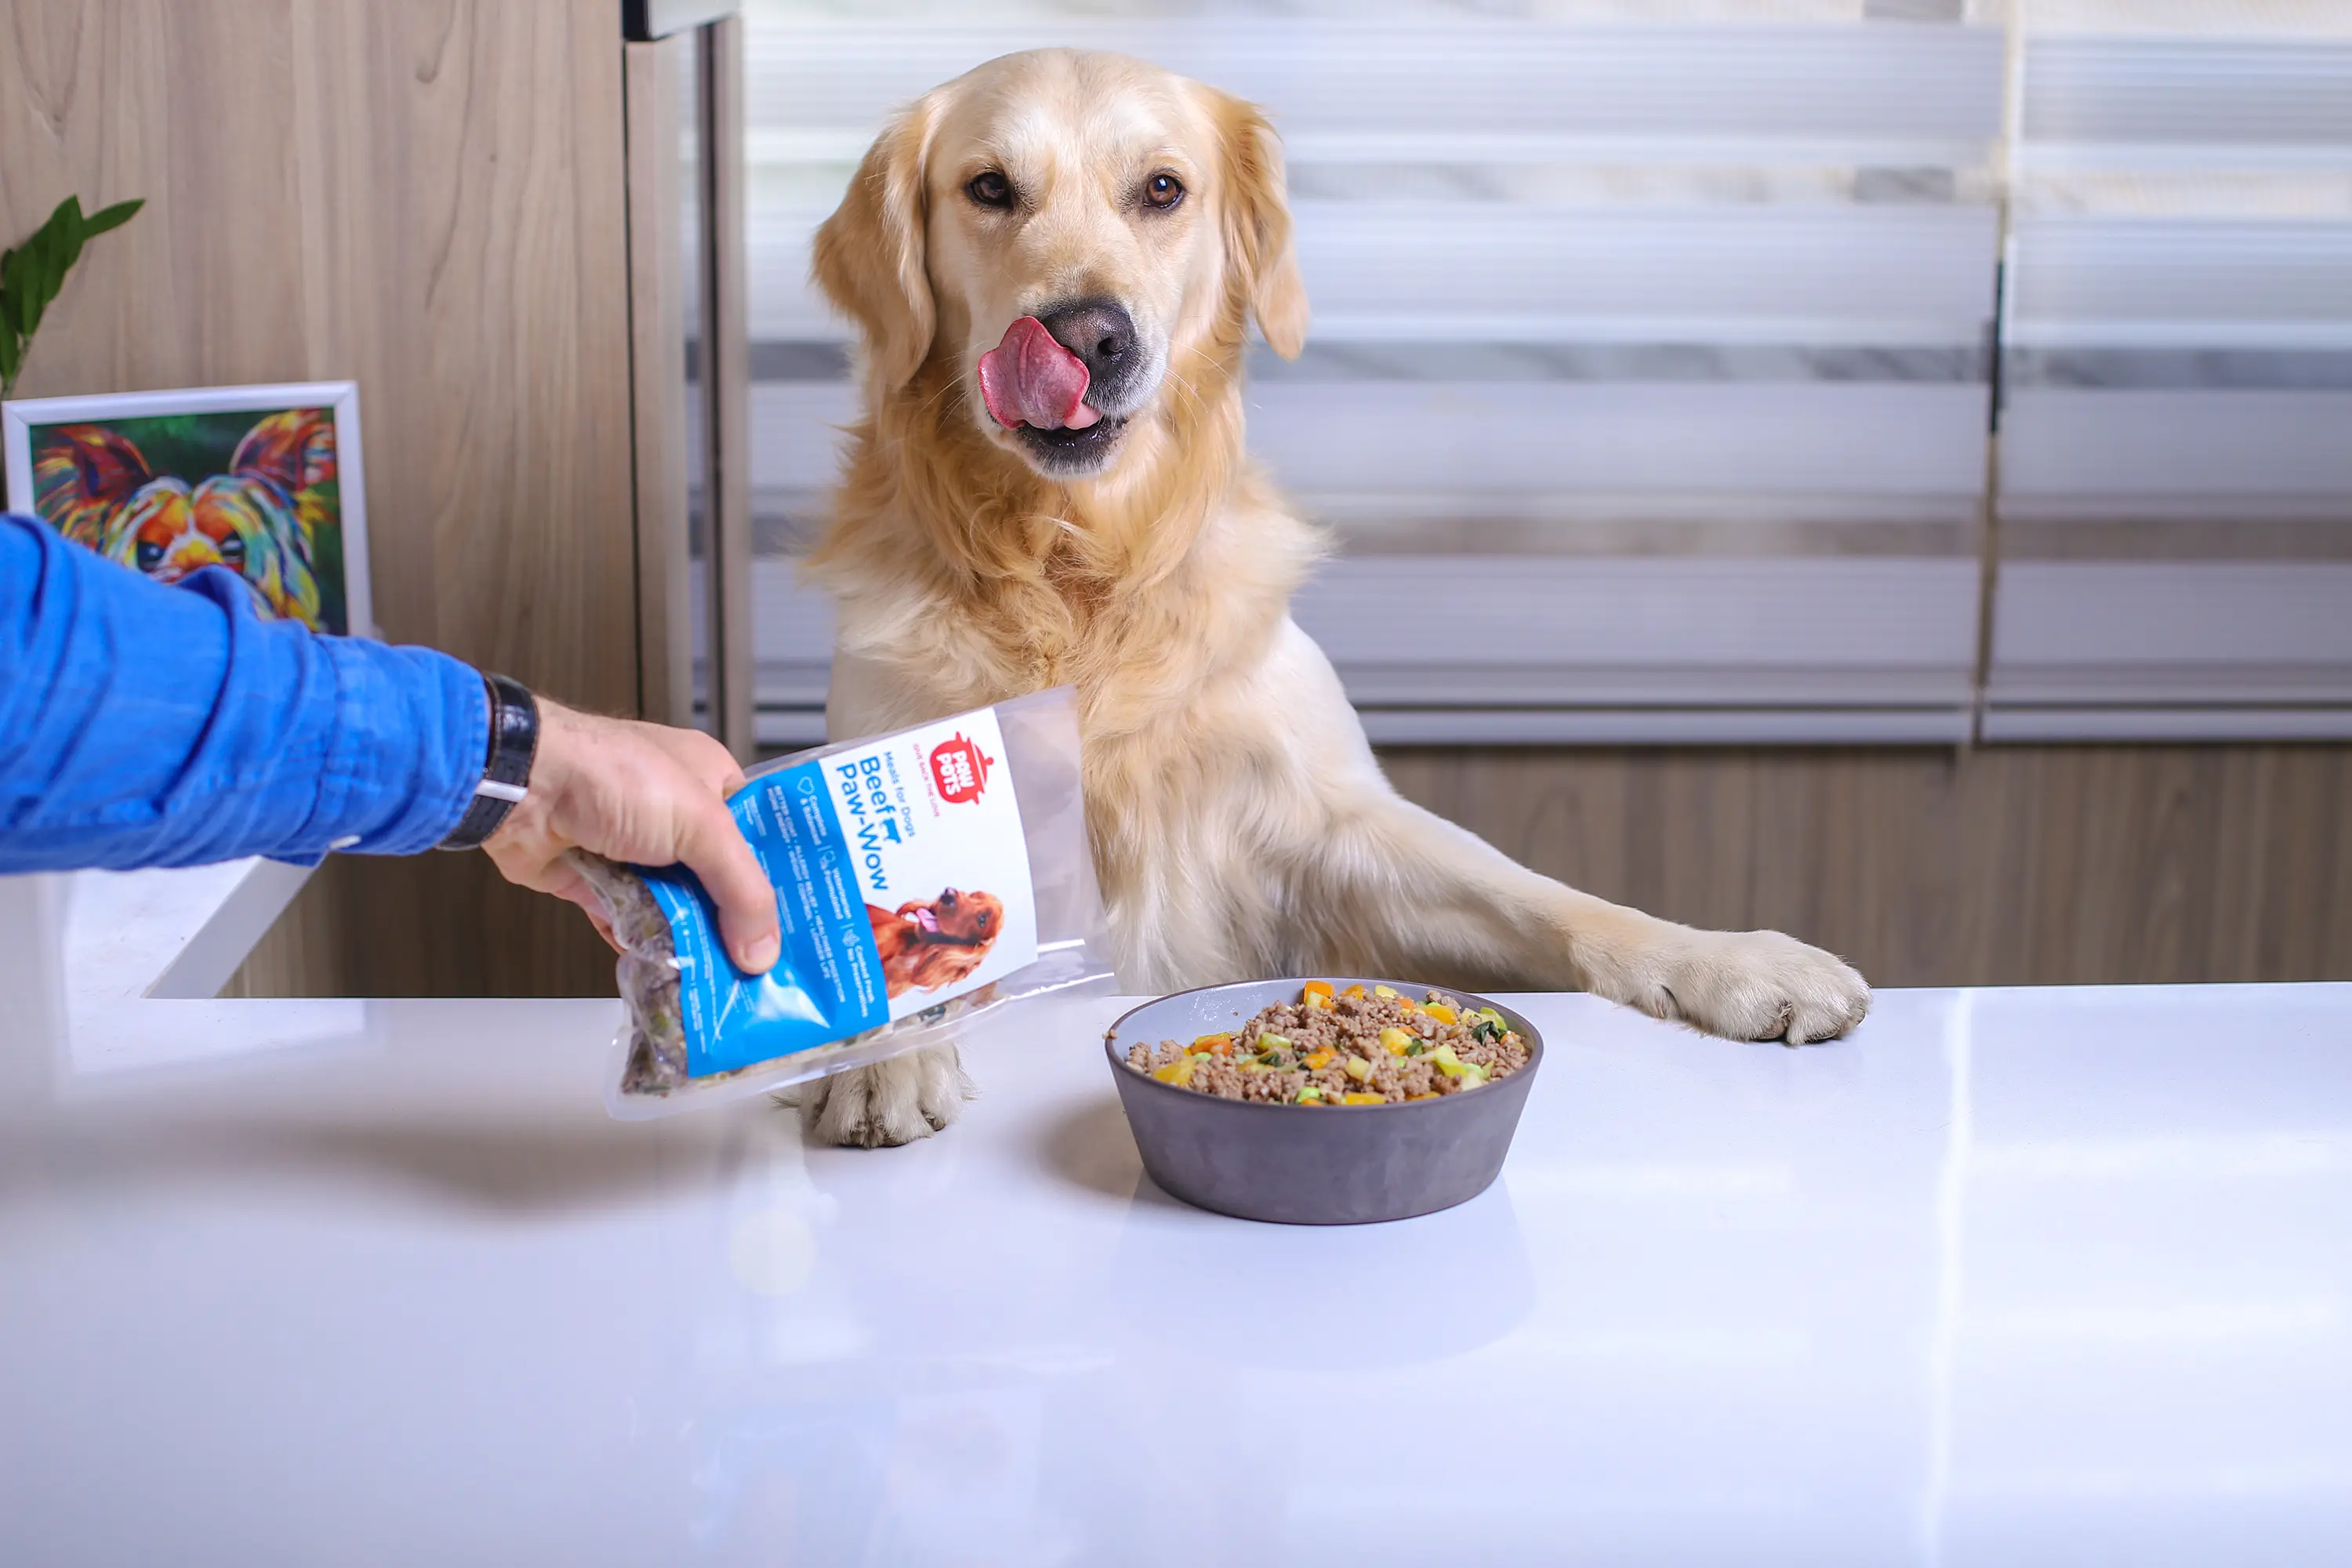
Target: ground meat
point(1347, 1027)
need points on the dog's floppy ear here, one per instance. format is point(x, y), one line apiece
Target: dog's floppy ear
point(870, 256)
point(1257, 225)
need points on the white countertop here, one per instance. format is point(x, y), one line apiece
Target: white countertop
point(2013, 1276)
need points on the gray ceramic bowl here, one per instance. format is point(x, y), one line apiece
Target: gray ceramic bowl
point(1346, 1165)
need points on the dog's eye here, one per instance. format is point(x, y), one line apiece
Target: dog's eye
point(990, 190)
point(1162, 190)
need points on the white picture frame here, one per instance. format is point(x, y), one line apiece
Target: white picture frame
point(20, 420)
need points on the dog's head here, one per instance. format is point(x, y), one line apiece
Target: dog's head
point(957, 919)
point(958, 931)
point(1058, 229)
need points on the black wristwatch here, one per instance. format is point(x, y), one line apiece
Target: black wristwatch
point(506, 770)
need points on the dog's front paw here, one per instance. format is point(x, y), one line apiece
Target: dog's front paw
point(1761, 985)
point(890, 1102)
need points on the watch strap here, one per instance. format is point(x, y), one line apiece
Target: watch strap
point(506, 769)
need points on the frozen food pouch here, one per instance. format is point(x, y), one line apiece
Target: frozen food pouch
point(918, 876)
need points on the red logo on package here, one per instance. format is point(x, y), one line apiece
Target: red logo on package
point(961, 769)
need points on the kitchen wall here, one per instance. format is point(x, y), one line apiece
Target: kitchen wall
point(426, 196)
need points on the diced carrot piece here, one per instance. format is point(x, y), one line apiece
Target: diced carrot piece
point(1316, 989)
point(1222, 1045)
point(1442, 1012)
point(1359, 993)
point(1357, 1096)
point(1317, 1060)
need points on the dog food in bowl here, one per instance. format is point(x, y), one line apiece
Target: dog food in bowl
point(1340, 1048)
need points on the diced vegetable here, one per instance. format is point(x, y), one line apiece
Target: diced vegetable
point(1388, 991)
point(1179, 1073)
point(1317, 994)
point(1444, 1057)
point(1309, 1093)
point(1397, 1040)
point(1442, 1012)
point(1220, 1045)
point(1358, 991)
point(1414, 1049)
point(1355, 1097)
point(1359, 1069)
point(1273, 1042)
point(1317, 1060)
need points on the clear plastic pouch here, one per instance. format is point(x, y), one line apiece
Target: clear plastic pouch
point(965, 843)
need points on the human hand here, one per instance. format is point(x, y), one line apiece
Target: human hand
point(641, 793)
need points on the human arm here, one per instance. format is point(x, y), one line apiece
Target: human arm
point(141, 725)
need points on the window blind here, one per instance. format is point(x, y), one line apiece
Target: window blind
point(1669, 332)
point(2176, 439)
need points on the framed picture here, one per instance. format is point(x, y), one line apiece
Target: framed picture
point(264, 480)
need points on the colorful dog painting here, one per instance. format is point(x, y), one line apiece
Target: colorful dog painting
point(170, 494)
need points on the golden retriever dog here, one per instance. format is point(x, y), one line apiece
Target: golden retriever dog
point(937, 943)
point(1052, 263)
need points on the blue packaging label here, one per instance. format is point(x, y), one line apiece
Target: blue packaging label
point(902, 879)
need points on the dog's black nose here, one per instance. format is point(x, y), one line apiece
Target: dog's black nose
point(1098, 331)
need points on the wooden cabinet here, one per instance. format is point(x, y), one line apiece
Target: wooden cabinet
point(435, 199)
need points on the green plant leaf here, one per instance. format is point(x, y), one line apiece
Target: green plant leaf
point(42, 286)
point(33, 273)
point(70, 232)
point(16, 284)
point(113, 217)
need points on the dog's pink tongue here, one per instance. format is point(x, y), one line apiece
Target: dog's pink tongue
point(1030, 379)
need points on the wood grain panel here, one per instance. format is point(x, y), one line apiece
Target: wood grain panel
point(426, 196)
point(1997, 867)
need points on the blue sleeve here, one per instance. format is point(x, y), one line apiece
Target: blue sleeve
point(144, 725)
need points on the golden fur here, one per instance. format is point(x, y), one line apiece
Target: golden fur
point(1241, 824)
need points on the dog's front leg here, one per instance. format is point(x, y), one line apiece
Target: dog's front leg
point(894, 1101)
point(1394, 890)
